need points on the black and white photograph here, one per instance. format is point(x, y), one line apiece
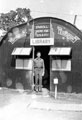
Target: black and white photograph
point(40, 59)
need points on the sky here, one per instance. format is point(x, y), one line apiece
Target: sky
point(64, 9)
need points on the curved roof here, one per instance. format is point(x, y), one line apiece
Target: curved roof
point(66, 24)
point(70, 26)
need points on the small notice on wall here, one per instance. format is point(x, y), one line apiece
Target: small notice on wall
point(42, 41)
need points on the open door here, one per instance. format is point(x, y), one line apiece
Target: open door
point(44, 55)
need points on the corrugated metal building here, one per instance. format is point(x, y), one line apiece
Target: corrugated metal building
point(60, 44)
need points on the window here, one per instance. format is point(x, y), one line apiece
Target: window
point(24, 64)
point(61, 65)
point(23, 58)
point(61, 58)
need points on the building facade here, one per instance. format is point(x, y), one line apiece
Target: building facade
point(60, 44)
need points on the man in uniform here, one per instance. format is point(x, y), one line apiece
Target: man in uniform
point(38, 72)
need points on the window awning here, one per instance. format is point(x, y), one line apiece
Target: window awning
point(60, 51)
point(21, 51)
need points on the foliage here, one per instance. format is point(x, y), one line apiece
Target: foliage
point(14, 18)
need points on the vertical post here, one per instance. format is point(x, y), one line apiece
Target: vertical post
point(75, 18)
point(55, 91)
point(56, 83)
point(33, 69)
point(33, 51)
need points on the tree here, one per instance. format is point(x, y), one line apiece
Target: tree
point(13, 18)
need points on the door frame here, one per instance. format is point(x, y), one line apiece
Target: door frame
point(34, 50)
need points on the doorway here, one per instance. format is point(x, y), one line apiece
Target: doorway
point(44, 55)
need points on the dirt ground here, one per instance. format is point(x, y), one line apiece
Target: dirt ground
point(26, 105)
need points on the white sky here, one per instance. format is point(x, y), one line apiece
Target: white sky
point(64, 9)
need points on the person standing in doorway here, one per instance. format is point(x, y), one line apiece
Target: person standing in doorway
point(39, 71)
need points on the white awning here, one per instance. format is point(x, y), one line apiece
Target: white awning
point(60, 51)
point(21, 51)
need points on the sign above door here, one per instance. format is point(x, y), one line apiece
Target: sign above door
point(42, 41)
point(42, 30)
point(42, 35)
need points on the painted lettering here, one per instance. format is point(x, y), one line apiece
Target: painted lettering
point(42, 41)
point(67, 35)
point(41, 26)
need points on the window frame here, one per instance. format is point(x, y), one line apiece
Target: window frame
point(62, 68)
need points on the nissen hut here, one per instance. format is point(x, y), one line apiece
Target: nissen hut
point(60, 44)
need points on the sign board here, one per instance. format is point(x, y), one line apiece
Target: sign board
point(55, 80)
point(42, 35)
point(66, 34)
point(42, 31)
point(42, 41)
